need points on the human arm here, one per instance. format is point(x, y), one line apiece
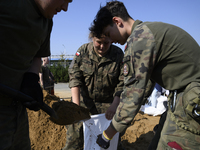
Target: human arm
point(103, 140)
point(112, 109)
point(41, 79)
point(30, 85)
point(76, 76)
point(76, 95)
point(118, 89)
point(36, 65)
point(52, 79)
point(139, 60)
point(110, 132)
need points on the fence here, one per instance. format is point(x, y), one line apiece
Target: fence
point(65, 60)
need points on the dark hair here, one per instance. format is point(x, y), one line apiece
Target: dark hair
point(105, 14)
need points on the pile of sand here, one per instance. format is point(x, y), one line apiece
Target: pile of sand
point(46, 135)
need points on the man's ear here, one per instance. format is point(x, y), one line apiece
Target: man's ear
point(118, 21)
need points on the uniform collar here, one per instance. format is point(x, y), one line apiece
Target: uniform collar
point(135, 24)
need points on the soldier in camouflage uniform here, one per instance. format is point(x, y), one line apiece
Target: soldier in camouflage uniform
point(46, 77)
point(96, 82)
point(156, 52)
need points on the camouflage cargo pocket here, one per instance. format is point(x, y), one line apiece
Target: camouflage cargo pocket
point(169, 142)
point(191, 101)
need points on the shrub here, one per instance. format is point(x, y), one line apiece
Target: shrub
point(60, 72)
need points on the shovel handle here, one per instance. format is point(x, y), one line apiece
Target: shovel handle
point(25, 98)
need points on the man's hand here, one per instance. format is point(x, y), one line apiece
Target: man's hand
point(103, 141)
point(31, 87)
point(112, 109)
point(110, 112)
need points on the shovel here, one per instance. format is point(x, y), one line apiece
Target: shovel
point(25, 98)
point(69, 113)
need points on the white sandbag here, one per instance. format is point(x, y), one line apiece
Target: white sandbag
point(93, 127)
point(149, 110)
point(160, 108)
point(160, 105)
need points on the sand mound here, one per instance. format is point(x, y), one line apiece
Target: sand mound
point(46, 135)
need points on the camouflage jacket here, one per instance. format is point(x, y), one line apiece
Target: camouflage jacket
point(159, 52)
point(99, 80)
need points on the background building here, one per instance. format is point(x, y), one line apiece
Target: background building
point(65, 60)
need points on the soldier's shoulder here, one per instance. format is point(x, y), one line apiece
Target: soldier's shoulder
point(117, 53)
point(116, 49)
point(83, 47)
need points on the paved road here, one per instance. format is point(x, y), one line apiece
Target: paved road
point(62, 90)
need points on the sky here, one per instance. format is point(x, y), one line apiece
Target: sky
point(71, 28)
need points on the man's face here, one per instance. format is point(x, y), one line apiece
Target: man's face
point(49, 8)
point(115, 33)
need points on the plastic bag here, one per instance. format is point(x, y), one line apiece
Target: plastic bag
point(95, 126)
point(160, 108)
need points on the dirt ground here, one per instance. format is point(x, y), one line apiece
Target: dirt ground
point(46, 135)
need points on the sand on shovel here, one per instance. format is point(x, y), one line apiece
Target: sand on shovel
point(69, 113)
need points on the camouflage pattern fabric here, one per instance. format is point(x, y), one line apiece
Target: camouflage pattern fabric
point(46, 75)
point(181, 125)
point(100, 79)
point(164, 54)
point(48, 80)
point(137, 65)
point(74, 137)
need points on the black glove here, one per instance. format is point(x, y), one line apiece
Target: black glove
point(102, 141)
point(32, 88)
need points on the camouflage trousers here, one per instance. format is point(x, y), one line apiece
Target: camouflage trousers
point(181, 129)
point(74, 135)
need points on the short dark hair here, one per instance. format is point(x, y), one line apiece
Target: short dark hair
point(105, 14)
